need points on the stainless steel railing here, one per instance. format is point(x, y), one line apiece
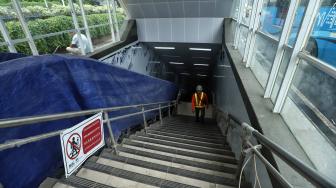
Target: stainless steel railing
point(310, 174)
point(26, 121)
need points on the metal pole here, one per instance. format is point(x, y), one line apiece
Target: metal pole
point(169, 111)
point(109, 127)
point(108, 4)
point(86, 26)
point(253, 18)
point(115, 19)
point(144, 117)
point(63, 3)
point(25, 28)
point(6, 37)
point(46, 3)
point(160, 113)
point(75, 21)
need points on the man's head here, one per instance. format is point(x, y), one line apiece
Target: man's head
point(199, 89)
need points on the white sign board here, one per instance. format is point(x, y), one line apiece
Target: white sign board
point(81, 141)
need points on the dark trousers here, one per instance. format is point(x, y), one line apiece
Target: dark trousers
point(197, 113)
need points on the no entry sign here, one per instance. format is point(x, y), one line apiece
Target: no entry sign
point(81, 141)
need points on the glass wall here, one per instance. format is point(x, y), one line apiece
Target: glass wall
point(322, 42)
point(299, 15)
point(242, 38)
point(247, 11)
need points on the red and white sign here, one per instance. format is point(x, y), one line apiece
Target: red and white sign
point(81, 141)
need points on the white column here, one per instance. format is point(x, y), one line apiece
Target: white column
point(250, 29)
point(46, 4)
point(253, 35)
point(87, 30)
point(6, 37)
point(63, 3)
point(24, 26)
point(108, 4)
point(240, 15)
point(75, 22)
point(280, 50)
point(303, 36)
point(115, 19)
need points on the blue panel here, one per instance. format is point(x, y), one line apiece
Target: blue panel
point(10, 56)
point(53, 84)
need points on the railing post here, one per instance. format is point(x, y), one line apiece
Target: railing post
point(160, 114)
point(108, 123)
point(144, 118)
point(169, 110)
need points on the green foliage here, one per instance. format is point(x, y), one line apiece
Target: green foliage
point(52, 25)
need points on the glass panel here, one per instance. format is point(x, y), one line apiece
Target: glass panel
point(281, 73)
point(3, 45)
point(247, 11)
point(235, 8)
point(242, 39)
point(299, 14)
point(273, 16)
point(10, 18)
point(322, 42)
point(263, 58)
point(313, 91)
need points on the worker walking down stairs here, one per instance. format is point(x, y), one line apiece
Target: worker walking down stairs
point(198, 103)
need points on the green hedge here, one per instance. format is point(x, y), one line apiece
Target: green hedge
point(52, 25)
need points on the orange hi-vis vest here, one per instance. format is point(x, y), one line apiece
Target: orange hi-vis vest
point(199, 101)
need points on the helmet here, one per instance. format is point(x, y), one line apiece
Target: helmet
point(199, 88)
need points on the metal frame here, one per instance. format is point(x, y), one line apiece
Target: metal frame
point(24, 26)
point(115, 19)
point(250, 28)
point(249, 53)
point(108, 4)
point(47, 118)
point(239, 19)
point(86, 26)
point(280, 50)
point(6, 37)
point(75, 21)
point(303, 36)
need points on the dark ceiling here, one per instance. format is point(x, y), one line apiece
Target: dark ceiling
point(195, 74)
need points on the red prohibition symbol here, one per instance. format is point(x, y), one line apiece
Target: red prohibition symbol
point(73, 146)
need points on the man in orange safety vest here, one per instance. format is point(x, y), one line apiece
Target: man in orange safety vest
point(198, 103)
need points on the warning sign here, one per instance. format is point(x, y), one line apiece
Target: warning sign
point(81, 141)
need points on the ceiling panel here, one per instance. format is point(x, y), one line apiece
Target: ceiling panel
point(178, 8)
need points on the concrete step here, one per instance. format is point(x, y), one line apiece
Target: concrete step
point(181, 140)
point(215, 134)
point(187, 133)
point(118, 177)
point(184, 136)
point(165, 172)
point(186, 147)
point(75, 181)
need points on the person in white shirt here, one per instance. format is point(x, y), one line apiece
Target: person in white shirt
point(75, 46)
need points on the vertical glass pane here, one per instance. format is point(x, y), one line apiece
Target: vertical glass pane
point(313, 92)
point(3, 45)
point(322, 42)
point(273, 16)
point(281, 73)
point(235, 8)
point(263, 58)
point(299, 15)
point(247, 11)
point(242, 39)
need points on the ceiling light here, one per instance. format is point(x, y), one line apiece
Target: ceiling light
point(219, 76)
point(176, 63)
point(200, 49)
point(185, 73)
point(164, 48)
point(226, 66)
point(171, 56)
point(136, 47)
point(202, 75)
point(198, 64)
point(155, 62)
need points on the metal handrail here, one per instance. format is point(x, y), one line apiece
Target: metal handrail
point(307, 172)
point(53, 117)
point(6, 123)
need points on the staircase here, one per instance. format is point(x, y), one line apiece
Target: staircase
point(179, 153)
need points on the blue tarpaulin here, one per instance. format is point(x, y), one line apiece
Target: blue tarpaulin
point(10, 56)
point(38, 85)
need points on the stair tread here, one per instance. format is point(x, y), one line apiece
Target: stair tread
point(180, 152)
point(133, 176)
point(184, 136)
point(79, 182)
point(224, 151)
point(193, 131)
point(171, 170)
point(189, 133)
